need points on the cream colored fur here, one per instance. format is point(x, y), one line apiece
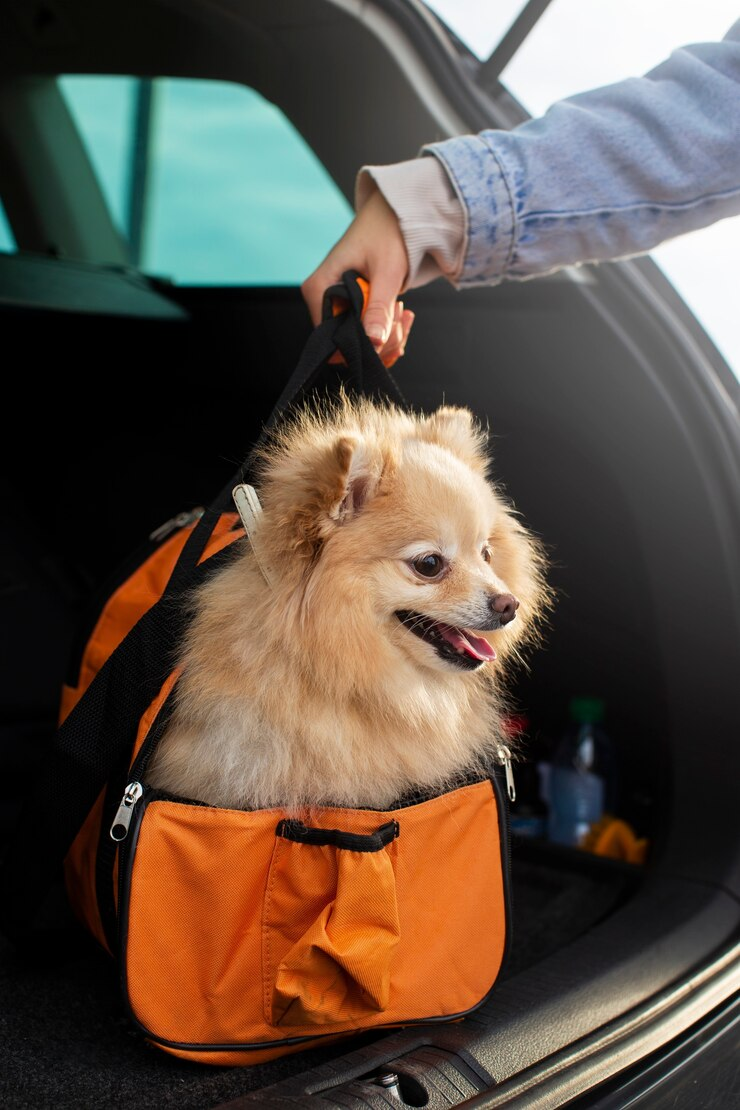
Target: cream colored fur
point(311, 691)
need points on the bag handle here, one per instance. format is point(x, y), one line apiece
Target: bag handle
point(340, 332)
point(96, 735)
point(292, 829)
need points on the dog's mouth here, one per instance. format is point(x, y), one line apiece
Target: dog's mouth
point(458, 646)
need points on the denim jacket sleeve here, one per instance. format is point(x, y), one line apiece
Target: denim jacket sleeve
point(606, 174)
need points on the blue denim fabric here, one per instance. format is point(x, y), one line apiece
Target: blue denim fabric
point(606, 174)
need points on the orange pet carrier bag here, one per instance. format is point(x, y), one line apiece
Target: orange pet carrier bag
point(246, 935)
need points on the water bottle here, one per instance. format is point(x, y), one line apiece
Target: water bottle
point(582, 776)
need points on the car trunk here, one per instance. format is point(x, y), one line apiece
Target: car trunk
point(151, 401)
point(614, 432)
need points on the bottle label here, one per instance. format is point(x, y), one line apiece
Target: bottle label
point(576, 803)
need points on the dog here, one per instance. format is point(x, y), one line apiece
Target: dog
point(356, 652)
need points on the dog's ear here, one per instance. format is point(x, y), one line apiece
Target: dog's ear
point(352, 476)
point(459, 431)
point(329, 488)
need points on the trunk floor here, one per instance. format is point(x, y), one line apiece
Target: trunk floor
point(67, 1042)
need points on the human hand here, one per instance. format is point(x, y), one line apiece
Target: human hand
point(373, 246)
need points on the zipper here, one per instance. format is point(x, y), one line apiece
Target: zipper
point(120, 831)
point(504, 798)
point(182, 520)
point(124, 831)
point(133, 794)
point(130, 810)
point(122, 821)
point(504, 757)
point(130, 814)
point(134, 791)
point(133, 803)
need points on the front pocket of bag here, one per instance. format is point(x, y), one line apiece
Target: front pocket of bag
point(191, 924)
point(202, 887)
point(330, 927)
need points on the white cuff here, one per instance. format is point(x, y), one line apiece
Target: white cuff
point(429, 212)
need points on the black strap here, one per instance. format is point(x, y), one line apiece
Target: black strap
point(95, 737)
point(296, 831)
point(363, 372)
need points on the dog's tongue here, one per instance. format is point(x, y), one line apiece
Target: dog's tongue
point(470, 643)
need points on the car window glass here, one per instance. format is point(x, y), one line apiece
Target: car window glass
point(207, 181)
point(102, 108)
point(7, 240)
point(478, 23)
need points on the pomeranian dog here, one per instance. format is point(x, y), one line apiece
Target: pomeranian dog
point(355, 651)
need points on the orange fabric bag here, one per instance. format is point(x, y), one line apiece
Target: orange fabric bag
point(246, 935)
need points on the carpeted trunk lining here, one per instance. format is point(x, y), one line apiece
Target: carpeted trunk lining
point(67, 1042)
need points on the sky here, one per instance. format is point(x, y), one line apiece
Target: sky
point(584, 44)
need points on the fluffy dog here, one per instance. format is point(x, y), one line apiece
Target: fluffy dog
point(370, 665)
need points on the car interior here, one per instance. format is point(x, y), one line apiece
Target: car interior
point(132, 395)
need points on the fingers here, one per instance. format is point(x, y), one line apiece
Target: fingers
point(395, 345)
point(314, 287)
point(374, 246)
point(382, 315)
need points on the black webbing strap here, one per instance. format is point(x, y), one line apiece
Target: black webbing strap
point(95, 737)
point(338, 838)
point(363, 372)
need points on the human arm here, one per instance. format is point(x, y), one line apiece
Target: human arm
point(603, 175)
point(606, 174)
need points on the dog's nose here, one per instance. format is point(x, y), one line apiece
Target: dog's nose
point(504, 607)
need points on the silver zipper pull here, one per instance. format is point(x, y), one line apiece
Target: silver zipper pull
point(175, 522)
point(504, 757)
point(122, 820)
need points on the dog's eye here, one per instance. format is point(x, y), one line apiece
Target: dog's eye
point(487, 554)
point(429, 566)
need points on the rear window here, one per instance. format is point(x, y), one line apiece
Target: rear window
point(207, 181)
point(7, 239)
